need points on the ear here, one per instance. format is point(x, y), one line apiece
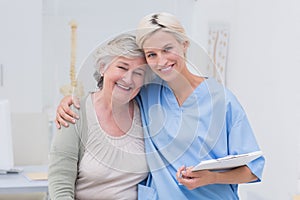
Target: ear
point(102, 68)
point(185, 46)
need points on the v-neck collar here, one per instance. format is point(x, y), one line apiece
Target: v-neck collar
point(192, 98)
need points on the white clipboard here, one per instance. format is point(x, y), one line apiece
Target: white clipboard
point(228, 162)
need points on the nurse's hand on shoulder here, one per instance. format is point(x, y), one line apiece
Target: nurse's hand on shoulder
point(64, 114)
point(192, 180)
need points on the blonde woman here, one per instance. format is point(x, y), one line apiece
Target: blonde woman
point(187, 119)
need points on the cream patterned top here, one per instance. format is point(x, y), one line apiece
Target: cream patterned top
point(110, 168)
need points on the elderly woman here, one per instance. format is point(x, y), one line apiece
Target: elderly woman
point(94, 158)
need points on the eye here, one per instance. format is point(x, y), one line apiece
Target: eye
point(139, 73)
point(166, 49)
point(121, 67)
point(150, 55)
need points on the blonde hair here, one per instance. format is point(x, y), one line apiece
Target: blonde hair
point(159, 21)
point(123, 45)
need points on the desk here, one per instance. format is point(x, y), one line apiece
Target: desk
point(18, 183)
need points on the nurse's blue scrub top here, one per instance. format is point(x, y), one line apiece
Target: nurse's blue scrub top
point(210, 124)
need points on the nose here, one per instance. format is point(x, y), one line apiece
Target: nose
point(161, 60)
point(127, 78)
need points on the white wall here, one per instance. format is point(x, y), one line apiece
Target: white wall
point(262, 71)
point(21, 54)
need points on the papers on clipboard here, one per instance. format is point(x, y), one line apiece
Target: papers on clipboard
point(227, 162)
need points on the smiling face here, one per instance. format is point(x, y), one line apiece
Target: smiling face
point(123, 78)
point(165, 55)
